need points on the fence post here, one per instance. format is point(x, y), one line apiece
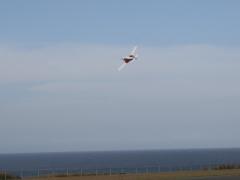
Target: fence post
point(38, 172)
point(48, 172)
point(21, 173)
point(159, 169)
point(110, 171)
point(5, 174)
point(81, 172)
point(67, 171)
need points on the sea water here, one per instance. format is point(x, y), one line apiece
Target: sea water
point(121, 159)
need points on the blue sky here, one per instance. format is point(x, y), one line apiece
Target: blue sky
point(121, 22)
point(60, 89)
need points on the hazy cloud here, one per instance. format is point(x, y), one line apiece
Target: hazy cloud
point(72, 95)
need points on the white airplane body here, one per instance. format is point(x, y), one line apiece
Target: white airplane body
point(132, 56)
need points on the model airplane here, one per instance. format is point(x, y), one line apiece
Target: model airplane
point(132, 56)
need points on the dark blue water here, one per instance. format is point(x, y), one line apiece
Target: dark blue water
point(121, 159)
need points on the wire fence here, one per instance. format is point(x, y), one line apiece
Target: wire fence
point(6, 174)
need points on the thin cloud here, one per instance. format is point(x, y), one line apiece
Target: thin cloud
point(77, 89)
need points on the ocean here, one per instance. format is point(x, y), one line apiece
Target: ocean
point(192, 158)
point(120, 159)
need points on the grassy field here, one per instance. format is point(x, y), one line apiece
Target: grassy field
point(151, 176)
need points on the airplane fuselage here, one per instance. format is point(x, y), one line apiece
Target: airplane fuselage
point(128, 58)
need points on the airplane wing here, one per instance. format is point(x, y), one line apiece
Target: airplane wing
point(122, 66)
point(134, 51)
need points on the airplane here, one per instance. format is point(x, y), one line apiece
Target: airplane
point(132, 56)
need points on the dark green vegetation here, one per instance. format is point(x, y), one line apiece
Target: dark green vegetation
point(226, 174)
point(5, 176)
point(227, 166)
point(217, 171)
